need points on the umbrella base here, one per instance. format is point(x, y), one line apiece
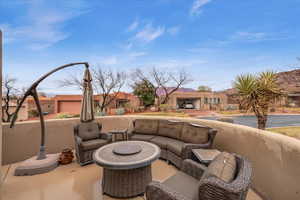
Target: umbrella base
point(33, 166)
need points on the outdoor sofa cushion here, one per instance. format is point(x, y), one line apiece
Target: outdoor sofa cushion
point(223, 167)
point(88, 131)
point(183, 184)
point(93, 144)
point(169, 128)
point(142, 137)
point(163, 142)
point(175, 146)
point(194, 133)
point(146, 126)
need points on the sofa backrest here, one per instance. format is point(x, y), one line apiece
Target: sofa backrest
point(170, 128)
point(88, 131)
point(146, 126)
point(194, 133)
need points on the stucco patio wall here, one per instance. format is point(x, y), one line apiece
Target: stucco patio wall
point(275, 158)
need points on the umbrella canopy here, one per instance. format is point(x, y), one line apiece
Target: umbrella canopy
point(87, 104)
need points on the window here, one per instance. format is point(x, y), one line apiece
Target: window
point(219, 100)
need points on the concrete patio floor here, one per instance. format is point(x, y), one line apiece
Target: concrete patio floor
point(71, 182)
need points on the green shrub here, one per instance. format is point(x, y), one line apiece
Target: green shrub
point(33, 113)
point(120, 111)
point(164, 107)
point(66, 115)
point(100, 113)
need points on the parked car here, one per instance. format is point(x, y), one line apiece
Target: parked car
point(188, 106)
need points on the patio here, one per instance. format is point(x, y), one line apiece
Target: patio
point(71, 182)
point(275, 160)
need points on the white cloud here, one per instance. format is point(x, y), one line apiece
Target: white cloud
point(137, 54)
point(249, 36)
point(133, 26)
point(173, 30)
point(110, 60)
point(178, 63)
point(149, 33)
point(43, 24)
point(257, 36)
point(197, 5)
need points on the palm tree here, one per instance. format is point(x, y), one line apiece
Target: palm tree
point(257, 93)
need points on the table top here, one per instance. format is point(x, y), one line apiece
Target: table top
point(106, 158)
point(206, 155)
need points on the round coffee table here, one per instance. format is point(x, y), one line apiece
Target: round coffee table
point(126, 167)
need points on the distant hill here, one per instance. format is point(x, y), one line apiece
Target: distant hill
point(290, 81)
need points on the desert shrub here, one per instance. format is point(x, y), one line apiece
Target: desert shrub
point(100, 113)
point(66, 115)
point(33, 113)
point(120, 111)
point(76, 115)
point(164, 107)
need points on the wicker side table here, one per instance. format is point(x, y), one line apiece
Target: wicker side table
point(126, 176)
point(205, 156)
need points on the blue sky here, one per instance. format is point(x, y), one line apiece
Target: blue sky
point(214, 40)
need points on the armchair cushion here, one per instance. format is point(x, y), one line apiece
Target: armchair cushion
point(194, 133)
point(183, 184)
point(88, 131)
point(171, 129)
point(223, 167)
point(146, 126)
point(93, 144)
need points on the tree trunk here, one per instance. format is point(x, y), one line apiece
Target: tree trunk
point(261, 122)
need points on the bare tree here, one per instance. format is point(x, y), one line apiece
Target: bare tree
point(106, 83)
point(11, 95)
point(168, 81)
point(73, 81)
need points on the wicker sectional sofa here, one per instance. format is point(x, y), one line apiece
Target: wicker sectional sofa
point(175, 138)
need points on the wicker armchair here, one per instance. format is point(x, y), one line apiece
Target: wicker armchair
point(88, 138)
point(195, 183)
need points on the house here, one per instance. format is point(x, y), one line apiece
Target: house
point(72, 103)
point(23, 113)
point(47, 105)
point(187, 98)
point(28, 108)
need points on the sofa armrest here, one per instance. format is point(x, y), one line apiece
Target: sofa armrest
point(159, 191)
point(78, 140)
point(193, 168)
point(187, 148)
point(106, 136)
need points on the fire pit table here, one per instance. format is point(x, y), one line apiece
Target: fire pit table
point(126, 167)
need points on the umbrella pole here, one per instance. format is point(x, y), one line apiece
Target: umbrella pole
point(42, 152)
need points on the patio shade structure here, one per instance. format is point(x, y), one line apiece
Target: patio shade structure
point(42, 162)
point(87, 104)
